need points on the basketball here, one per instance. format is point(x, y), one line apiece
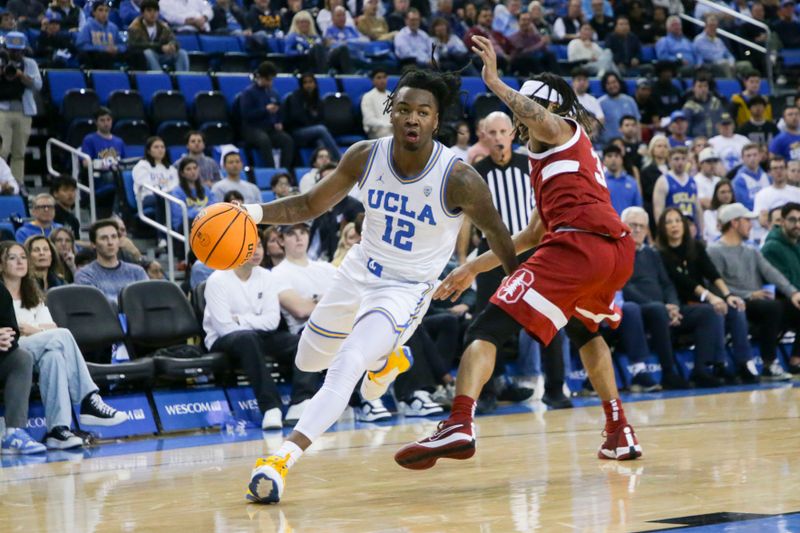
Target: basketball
point(223, 236)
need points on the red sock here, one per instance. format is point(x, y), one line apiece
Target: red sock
point(615, 415)
point(463, 409)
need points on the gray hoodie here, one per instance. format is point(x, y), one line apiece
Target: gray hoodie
point(745, 270)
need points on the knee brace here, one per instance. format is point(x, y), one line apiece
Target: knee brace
point(316, 355)
point(578, 333)
point(493, 325)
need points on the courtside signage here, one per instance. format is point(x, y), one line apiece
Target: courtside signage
point(191, 409)
point(140, 417)
point(245, 405)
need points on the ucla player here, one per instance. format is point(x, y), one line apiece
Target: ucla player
point(416, 193)
point(678, 189)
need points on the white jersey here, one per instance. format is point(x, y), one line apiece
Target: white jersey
point(408, 232)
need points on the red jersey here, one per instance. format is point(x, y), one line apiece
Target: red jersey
point(570, 188)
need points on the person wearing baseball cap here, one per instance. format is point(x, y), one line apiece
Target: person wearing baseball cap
point(678, 127)
point(727, 144)
point(746, 273)
point(707, 177)
point(20, 77)
point(758, 129)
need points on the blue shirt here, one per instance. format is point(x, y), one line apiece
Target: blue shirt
point(668, 48)
point(98, 147)
point(786, 145)
point(614, 108)
point(341, 36)
point(747, 183)
point(296, 44)
point(110, 281)
point(193, 206)
point(711, 51)
point(253, 103)
point(97, 37)
point(29, 229)
point(684, 197)
point(416, 45)
point(624, 191)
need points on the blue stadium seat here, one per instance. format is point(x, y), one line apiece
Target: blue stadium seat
point(188, 42)
point(175, 152)
point(391, 82)
point(286, 84)
point(560, 50)
point(267, 196)
point(630, 84)
point(148, 83)
point(275, 45)
point(107, 81)
point(299, 172)
point(7, 230)
point(327, 85)
point(305, 155)
point(596, 88)
point(11, 205)
point(512, 82)
point(264, 175)
point(61, 81)
point(134, 150)
point(127, 181)
point(232, 84)
point(219, 44)
point(191, 83)
point(474, 87)
point(727, 87)
point(765, 83)
point(648, 54)
point(356, 87)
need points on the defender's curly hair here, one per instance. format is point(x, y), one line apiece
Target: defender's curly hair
point(445, 86)
point(570, 107)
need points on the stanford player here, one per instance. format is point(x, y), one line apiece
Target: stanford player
point(585, 256)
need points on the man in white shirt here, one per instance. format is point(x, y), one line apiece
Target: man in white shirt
point(776, 195)
point(580, 84)
point(241, 318)
point(187, 15)
point(411, 44)
point(373, 103)
point(706, 179)
point(231, 161)
point(728, 144)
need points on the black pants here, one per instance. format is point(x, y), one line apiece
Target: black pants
point(420, 376)
point(445, 334)
point(771, 318)
point(266, 140)
point(250, 348)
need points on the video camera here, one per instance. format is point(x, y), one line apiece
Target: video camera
point(8, 66)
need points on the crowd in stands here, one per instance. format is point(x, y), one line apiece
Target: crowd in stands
point(708, 182)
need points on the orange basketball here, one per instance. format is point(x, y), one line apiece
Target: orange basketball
point(223, 236)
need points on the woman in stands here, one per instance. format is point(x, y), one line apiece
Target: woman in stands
point(303, 43)
point(723, 195)
point(655, 164)
point(64, 241)
point(63, 376)
point(347, 238)
point(319, 158)
point(154, 170)
point(191, 190)
point(46, 267)
point(273, 251)
point(304, 117)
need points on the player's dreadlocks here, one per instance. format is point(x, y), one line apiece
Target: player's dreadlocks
point(444, 86)
point(569, 106)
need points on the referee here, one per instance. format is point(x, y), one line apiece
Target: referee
point(508, 176)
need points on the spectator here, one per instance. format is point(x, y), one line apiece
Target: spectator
point(44, 265)
point(376, 123)
point(781, 249)
point(678, 126)
point(107, 273)
point(281, 185)
point(198, 273)
point(675, 47)
point(8, 23)
point(320, 158)
point(677, 188)
point(449, 50)
point(99, 41)
point(690, 269)
point(580, 84)
point(264, 22)
point(703, 110)
point(17, 103)
point(776, 195)
point(64, 241)
point(752, 88)
point(667, 95)
point(757, 129)
point(232, 163)
point(72, 17)
point(192, 191)
point(746, 271)
point(325, 228)
point(305, 118)
point(706, 177)
point(631, 135)
point(8, 183)
point(445, 11)
point(655, 165)
point(529, 52)
point(273, 251)
point(787, 143)
point(411, 44)
point(615, 104)
point(263, 117)
point(461, 147)
point(372, 24)
point(568, 27)
point(63, 189)
point(106, 150)
point(154, 270)
point(196, 147)
point(63, 376)
point(229, 19)
point(302, 42)
point(712, 51)
point(349, 237)
point(480, 149)
point(505, 17)
point(16, 375)
point(541, 24)
point(483, 27)
point(593, 58)
point(786, 27)
point(128, 251)
point(325, 16)
point(723, 195)
point(646, 104)
point(602, 22)
point(154, 39)
point(44, 210)
point(54, 45)
point(750, 178)
point(241, 318)
point(154, 170)
point(623, 188)
point(727, 144)
point(755, 34)
point(793, 172)
point(129, 10)
point(625, 46)
point(340, 34)
point(187, 15)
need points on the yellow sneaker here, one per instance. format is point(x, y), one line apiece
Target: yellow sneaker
point(374, 384)
point(268, 479)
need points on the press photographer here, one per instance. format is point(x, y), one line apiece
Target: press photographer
point(19, 77)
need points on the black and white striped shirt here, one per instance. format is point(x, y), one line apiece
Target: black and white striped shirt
point(510, 185)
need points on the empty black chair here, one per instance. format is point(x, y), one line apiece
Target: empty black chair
point(126, 105)
point(235, 63)
point(174, 133)
point(160, 316)
point(217, 133)
point(210, 107)
point(133, 132)
point(78, 129)
point(485, 104)
point(87, 313)
point(340, 119)
point(199, 302)
point(167, 106)
point(79, 103)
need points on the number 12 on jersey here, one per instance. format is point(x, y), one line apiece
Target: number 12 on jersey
point(399, 233)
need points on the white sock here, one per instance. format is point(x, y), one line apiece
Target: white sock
point(290, 450)
point(9, 431)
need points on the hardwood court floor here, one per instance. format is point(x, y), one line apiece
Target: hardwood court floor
point(723, 453)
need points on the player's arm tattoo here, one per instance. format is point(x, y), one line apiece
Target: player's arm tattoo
point(324, 195)
point(467, 191)
point(543, 125)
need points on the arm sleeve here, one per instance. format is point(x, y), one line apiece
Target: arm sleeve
point(771, 274)
point(7, 177)
point(43, 315)
point(84, 41)
point(772, 254)
point(141, 175)
point(559, 31)
point(741, 193)
point(218, 308)
point(707, 266)
point(251, 110)
point(678, 278)
point(667, 287)
point(632, 294)
point(270, 317)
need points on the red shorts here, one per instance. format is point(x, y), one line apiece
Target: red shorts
point(571, 274)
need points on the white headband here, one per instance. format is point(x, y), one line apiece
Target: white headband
point(539, 89)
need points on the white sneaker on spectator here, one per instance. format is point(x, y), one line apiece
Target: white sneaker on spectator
point(295, 412)
point(372, 411)
point(775, 372)
point(420, 404)
point(96, 412)
point(61, 438)
point(444, 395)
point(273, 419)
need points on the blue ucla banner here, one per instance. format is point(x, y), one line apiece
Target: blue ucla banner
point(140, 417)
point(37, 425)
point(245, 405)
point(189, 409)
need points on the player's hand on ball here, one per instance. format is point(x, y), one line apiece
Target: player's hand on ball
point(459, 280)
point(483, 47)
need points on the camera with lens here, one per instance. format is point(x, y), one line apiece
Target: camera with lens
point(8, 65)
